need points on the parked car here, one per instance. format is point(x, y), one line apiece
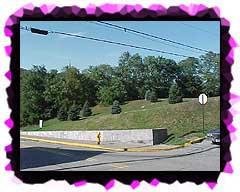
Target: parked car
point(214, 135)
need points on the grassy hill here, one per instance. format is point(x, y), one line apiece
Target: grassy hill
point(183, 120)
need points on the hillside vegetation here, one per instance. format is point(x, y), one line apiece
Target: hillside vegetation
point(183, 120)
point(49, 94)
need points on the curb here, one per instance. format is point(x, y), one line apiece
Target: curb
point(116, 149)
point(72, 144)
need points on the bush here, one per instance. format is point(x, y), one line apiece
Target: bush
point(116, 109)
point(62, 113)
point(86, 110)
point(175, 95)
point(153, 97)
point(73, 113)
point(148, 95)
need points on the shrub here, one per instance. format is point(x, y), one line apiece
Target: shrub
point(62, 114)
point(73, 113)
point(86, 110)
point(153, 97)
point(116, 109)
point(148, 95)
point(175, 95)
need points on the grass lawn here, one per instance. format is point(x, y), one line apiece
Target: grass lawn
point(183, 120)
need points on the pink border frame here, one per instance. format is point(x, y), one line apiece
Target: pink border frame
point(159, 10)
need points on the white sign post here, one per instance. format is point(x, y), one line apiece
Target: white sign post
point(202, 100)
point(40, 124)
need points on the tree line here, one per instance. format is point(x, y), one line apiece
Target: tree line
point(46, 94)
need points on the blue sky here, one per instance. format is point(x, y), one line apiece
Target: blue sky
point(56, 51)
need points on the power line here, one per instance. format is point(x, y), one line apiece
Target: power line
point(108, 41)
point(100, 24)
point(153, 36)
point(25, 28)
point(142, 36)
point(198, 28)
point(119, 43)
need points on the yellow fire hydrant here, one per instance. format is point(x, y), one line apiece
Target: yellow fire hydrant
point(98, 138)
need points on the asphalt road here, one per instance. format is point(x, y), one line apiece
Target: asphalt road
point(40, 156)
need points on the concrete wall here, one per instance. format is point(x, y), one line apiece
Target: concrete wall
point(149, 136)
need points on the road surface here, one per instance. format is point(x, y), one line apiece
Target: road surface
point(41, 156)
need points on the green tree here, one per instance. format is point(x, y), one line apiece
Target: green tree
point(98, 77)
point(136, 77)
point(33, 103)
point(90, 89)
point(189, 79)
point(116, 109)
point(210, 73)
point(102, 74)
point(123, 59)
point(130, 71)
point(72, 87)
point(160, 73)
point(23, 74)
point(115, 91)
point(74, 112)
point(105, 95)
point(86, 110)
point(175, 95)
point(53, 93)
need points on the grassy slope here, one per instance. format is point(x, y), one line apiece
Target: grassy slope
point(183, 120)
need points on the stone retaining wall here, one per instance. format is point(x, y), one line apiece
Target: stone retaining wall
point(149, 136)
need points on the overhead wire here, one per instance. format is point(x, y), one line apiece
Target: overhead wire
point(198, 28)
point(153, 36)
point(110, 42)
point(142, 36)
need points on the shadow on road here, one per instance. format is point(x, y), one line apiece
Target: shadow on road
point(139, 160)
point(33, 157)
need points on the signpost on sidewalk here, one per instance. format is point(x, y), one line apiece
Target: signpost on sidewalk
point(40, 124)
point(202, 100)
